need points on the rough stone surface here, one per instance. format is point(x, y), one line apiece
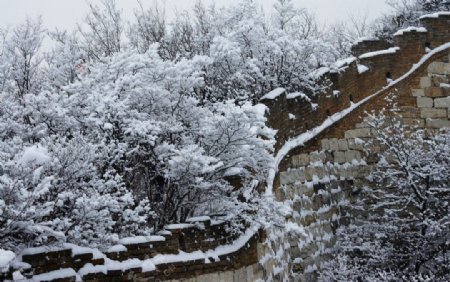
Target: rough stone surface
point(343, 145)
point(339, 157)
point(433, 113)
point(425, 82)
point(300, 160)
point(439, 68)
point(437, 123)
point(424, 102)
point(442, 102)
point(358, 133)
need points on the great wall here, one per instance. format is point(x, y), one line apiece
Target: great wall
point(321, 159)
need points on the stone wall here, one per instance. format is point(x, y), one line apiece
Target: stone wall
point(126, 261)
point(356, 78)
point(327, 172)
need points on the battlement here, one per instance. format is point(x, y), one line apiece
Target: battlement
point(355, 78)
point(200, 246)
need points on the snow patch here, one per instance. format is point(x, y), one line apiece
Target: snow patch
point(198, 219)
point(179, 226)
point(362, 68)
point(435, 15)
point(273, 94)
point(363, 39)
point(344, 62)
point(5, 258)
point(36, 155)
point(233, 171)
point(117, 249)
point(410, 29)
point(391, 50)
point(298, 94)
point(140, 240)
point(320, 72)
point(54, 275)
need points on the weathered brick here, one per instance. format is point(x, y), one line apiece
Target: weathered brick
point(442, 102)
point(351, 155)
point(438, 123)
point(339, 157)
point(325, 144)
point(424, 102)
point(334, 144)
point(439, 68)
point(434, 92)
point(300, 160)
point(418, 92)
point(357, 133)
point(425, 82)
point(433, 113)
point(343, 145)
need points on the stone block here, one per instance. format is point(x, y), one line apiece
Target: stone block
point(300, 160)
point(434, 92)
point(410, 112)
point(317, 157)
point(292, 176)
point(351, 155)
point(239, 275)
point(442, 102)
point(414, 122)
point(334, 144)
point(418, 92)
point(308, 173)
point(424, 102)
point(358, 133)
point(438, 79)
point(438, 123)
point(339, 157)
point(325, 144)
point(343, 145)
point(433, 113)
point(362, 125)
point(439, 68)
point(425, 82)
point(303, 189)
point(356, 144)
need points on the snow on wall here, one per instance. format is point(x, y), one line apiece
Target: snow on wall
point(410, 29)
point(392, 50)
point(303, 138)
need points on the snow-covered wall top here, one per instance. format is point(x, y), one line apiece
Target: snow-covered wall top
point(355, 78)
point(202, 243)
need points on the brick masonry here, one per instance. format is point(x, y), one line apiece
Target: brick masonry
point(325, 173)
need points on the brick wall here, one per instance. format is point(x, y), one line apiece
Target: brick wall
point(352, 85)
point(322, 177)
point(201, 235)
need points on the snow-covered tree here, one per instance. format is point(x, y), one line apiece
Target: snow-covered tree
point(402, 220)
point(21, 58)
point(66, 62)
point(102, 30)
point(149, 27)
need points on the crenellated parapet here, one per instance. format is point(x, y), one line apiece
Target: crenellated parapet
point(202, 247)
point(355, 78)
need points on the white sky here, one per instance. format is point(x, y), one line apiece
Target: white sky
point(64, 14)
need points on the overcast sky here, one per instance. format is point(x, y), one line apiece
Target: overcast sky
point(65, 14)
